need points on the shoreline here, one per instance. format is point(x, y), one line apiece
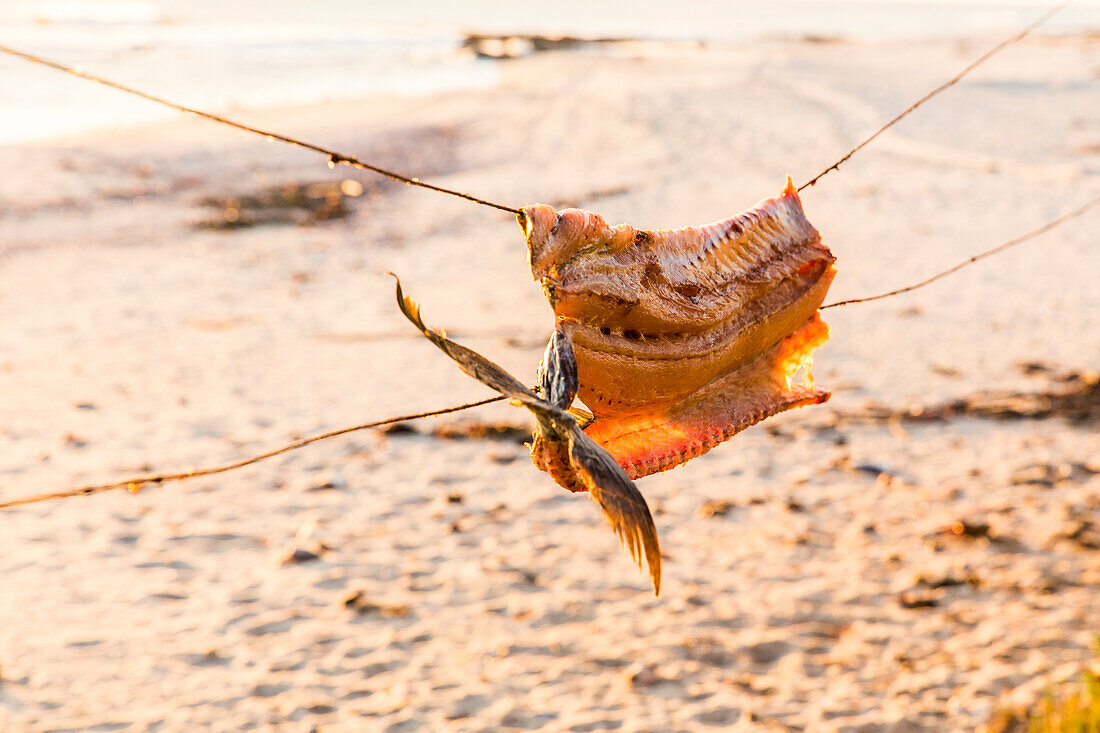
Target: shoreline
point(425, 61)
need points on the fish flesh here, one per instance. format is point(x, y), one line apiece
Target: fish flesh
point(682, 338)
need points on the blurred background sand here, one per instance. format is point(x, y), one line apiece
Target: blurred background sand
point(916, 554)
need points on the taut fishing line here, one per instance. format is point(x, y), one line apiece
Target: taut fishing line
point(335, 157)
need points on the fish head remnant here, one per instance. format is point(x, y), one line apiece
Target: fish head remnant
point(679, 334)
point(562, 246)
point(557, 373)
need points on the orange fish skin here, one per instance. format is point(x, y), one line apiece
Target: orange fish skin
point(774, 381)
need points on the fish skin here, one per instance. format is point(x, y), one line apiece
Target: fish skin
point(688, 332)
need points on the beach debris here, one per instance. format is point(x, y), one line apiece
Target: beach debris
point(472, 430)
point(300, 555)
point(467, 430)
point(684, 337)
point(918, 599)
point(560, 447)
point(287, 203)
point(884, 476)
point(972, 529)
point(497, 513)
point(794, 506)
point(358, 602)
point(1072, 395)
point(72, 440)
point(946, 581)
point(1033, 368)
point(332, 482)
point(1040, 474)
point(945, 370)
point(502, 46)
point(715, 508)
point(302, 548)
point(874, 469)
point(1081, 527)
point(966, 528)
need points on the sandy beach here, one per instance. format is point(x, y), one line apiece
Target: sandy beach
point(915, 555)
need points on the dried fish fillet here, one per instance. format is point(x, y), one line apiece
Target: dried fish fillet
point(682, 337)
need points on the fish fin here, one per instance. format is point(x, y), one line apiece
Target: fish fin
point(621, 502)
point(471, 362)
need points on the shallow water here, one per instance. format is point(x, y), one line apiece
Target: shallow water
point(263, 53)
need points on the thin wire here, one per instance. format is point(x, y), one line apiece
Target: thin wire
point(334, 157)
point(980, 256)
point(136, 484)
point(950, 83)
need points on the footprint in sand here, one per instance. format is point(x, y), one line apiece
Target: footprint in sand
point(279, 626)
point(719, 716)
